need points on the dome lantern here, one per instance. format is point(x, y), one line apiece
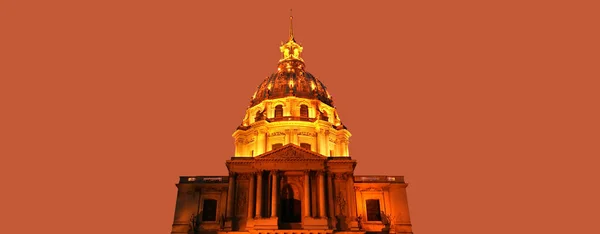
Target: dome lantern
point(290, 50)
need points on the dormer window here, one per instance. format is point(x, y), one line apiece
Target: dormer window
point(304, 111)
point(278, 111)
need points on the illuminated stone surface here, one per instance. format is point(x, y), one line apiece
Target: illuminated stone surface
point(291, 172)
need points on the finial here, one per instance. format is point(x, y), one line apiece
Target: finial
point(291, 27)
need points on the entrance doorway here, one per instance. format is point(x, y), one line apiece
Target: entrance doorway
point(290, 216)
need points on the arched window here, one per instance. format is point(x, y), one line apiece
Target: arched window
point(304, 111)
point(278, 111)
point(209, 210)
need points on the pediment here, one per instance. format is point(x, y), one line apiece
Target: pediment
point(290, 152)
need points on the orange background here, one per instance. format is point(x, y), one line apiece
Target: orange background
point(490, 109)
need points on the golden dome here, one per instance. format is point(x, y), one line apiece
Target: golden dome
point(291, 79)
point(291, 106)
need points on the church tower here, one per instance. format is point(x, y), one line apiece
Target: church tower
point(291, 171)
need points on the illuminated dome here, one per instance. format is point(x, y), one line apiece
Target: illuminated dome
point(291, 80)
point(291, 106)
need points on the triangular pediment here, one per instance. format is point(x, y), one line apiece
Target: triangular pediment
point(290, 152)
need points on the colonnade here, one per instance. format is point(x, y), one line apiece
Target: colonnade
point(255, 190)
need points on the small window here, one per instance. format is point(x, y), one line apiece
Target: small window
point(373, 210)
point(209, 210)
point(276, 146)
point(278, 111)
point(305, 146)
point(304, 111)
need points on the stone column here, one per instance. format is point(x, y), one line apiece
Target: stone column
point(259, 190)
point(274, 194)
point(250, 195)
point(306, 202)
point(230, 192)
point(321, 179)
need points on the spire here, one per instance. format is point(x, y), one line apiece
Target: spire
point(291, 27)
point(291, 50)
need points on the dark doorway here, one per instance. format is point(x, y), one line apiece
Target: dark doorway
point(291, 211)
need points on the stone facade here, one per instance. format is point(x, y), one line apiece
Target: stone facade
point(292, 188)
point(291, 172)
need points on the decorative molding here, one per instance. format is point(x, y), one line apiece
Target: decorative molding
point(342, 176)
point(311, 134)
point(212, 189)
point(341, 202)
point(245, 176)
point(277, 134)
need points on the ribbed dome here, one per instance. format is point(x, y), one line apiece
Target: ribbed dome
point(291, 80)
